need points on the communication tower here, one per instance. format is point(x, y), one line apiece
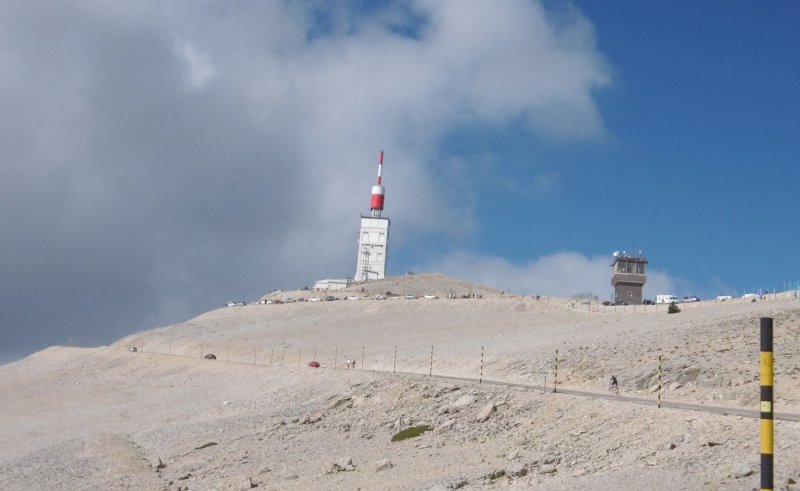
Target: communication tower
point(373, 237)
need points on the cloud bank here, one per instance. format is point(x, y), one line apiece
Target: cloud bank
point(561, 274)
point(161, 158)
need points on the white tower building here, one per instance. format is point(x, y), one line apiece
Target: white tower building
point(373, 238)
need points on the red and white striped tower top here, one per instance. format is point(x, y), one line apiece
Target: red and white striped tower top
point(378, 192)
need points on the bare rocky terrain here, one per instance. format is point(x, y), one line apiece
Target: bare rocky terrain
point(165, 418)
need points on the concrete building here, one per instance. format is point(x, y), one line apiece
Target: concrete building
point(373, 237)
point(629, 274)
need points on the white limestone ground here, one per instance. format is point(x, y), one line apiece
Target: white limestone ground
point(164, 418)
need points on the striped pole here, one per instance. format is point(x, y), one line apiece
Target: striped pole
point(767, 425)
point(659, 381)
point(430, 374)
point(394, 367)
point(555, 379)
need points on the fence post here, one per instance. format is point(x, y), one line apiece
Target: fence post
point(555, 379)
point(659, 381)
point(767, 424)
point(170, 347)
point(335, 356)
point(394, 367)
point(298, 357)
point(480, 381)
point(430, 374)
point(271, 355)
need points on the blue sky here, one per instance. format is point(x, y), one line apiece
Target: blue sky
point(161, 159)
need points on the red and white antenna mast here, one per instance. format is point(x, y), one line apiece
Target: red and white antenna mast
point(378, 192)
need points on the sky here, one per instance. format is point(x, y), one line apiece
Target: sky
point(162, 158)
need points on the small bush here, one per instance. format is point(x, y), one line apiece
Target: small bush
point(673, 309)
point(412, 432)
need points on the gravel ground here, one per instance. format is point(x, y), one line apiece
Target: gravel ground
point(164, 418)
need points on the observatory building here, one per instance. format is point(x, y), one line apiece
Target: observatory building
point(629, 274)
point(373, 237)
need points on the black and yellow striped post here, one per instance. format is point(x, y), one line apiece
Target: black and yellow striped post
point(767, 425)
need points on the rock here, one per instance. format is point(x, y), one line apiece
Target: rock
point(497, 473)
point(486, 412)
point(382, 465)
point(547, 469)
point(205, 445)
point(578, 472)
point(713, 443)
point(157, 463)
point(341, 401)
point(672, 446)
point(246, 484)
point(464, 401)
point(743, 470)
point(516, 470)
point(675, 386)
point(443, 485)
point(343, 464)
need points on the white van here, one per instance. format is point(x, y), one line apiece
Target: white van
point(667, 299)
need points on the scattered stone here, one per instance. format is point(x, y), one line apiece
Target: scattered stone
point(246, 484)
point(343, 464)
point(341, 401)
point(578, 472)
point(443, 485)
point(495, 474)
point(675, 386)
point(486, 412)
point(547, 469)
point(157, 463)
point(464, 401)
point(205, 445)
point(742, 470)
point(713, 443)
point(185, 476)
point(516, 470)
point(672, 446)
point(382, 465)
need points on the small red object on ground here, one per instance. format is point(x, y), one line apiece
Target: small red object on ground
point(313, 364)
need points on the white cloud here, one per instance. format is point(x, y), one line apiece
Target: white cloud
point(559, 274)
point(256, 181)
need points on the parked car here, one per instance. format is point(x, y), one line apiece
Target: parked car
point(722, 298)
point(330, 298)
point(314, 299)
point(607, 303)
point(690, 299)
point(210, 356)
point(647, 301)
point(290, 300)
point(133, 349)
